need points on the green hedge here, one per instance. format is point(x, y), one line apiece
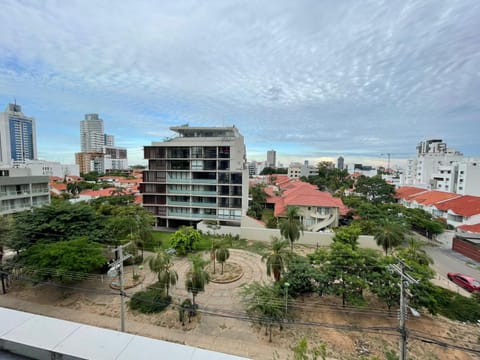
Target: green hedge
point(457, 307)
point(149, 301)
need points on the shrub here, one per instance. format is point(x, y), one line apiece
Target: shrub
point(456, 306)
point(149, 301)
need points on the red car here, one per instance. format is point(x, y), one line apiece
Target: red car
point(467, 282)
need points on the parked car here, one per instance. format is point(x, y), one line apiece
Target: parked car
point(467, 282)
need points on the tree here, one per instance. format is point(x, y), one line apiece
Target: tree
point(390, 235)
point(414, 253)
point(184, 239)
point(161, 264)
point(347, 235)
point(7, 226)
point(291, 227)
point(264, 304)
point(300, 276)
point(259, 198)
point(375, 189)
point(276, 258)
point(346, 269)
point(64, 261)
point(130, 222)
point(197, 278)
point(58, 221)
point(222, 255)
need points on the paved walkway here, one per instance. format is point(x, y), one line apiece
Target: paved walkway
point(217, 333)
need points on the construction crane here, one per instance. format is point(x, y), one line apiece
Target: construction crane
point(388, 159)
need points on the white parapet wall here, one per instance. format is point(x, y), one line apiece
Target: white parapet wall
point(252, 230)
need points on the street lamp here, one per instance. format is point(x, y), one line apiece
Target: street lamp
point(286, 284)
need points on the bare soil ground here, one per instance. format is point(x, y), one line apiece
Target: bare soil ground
point(322, 319)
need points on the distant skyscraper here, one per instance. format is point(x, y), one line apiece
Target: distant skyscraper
point(17, 135)
point(98, 152)
point(271, 158)
point(92, 136)
point(340, 163)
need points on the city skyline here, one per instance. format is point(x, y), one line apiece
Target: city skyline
point(310, 80)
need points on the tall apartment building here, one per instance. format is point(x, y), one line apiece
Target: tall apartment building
point(438, 167)
point(20, 191)
point(17, 135)
point(340, 163)
point(271, 158)
point(199, 175)
point(98, 152)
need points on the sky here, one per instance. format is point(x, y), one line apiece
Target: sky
point(313, 80)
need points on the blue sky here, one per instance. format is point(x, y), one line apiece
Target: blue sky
point(310, 79)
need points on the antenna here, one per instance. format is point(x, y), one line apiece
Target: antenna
point(388, 161)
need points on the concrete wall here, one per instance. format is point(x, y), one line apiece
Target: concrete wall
point(256, 232)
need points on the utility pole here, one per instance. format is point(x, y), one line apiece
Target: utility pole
point(405, 280)
point(116, 268)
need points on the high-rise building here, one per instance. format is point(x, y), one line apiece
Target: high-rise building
point(340, 163)
point(199, 175)
point(98, 152)
point(271, 158)
point(438, 167)
point(92, 136)
point(17, 136)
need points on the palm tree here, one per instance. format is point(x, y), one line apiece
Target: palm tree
point(161, 264)
point(291, 227)
point(197, 277)
point(222, 255)
point(414, 252)
point(389, 235)
point(276, 258)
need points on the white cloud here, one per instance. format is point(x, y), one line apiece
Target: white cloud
point(305, 77)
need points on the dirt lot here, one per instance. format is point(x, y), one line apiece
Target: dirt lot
point(320, 319)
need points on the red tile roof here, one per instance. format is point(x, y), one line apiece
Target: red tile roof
point(433, 197)
point(298, 193)
point(466, 205)
point(406, 192)
point(98, 193)
point(58, 186)
point(475, 228)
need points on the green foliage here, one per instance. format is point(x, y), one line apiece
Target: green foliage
point(186, 309)
point(375, 189)
point(276, 258)
point(130, 223)
point(197, 278)
point(301, 351)
point(456, 306)
point(161, 264)
point(58, 221)
point(64, 261)
point(291, 227)
point(347, 235)
point(259, 198)
point(91, 176)
point(331, 179)
point(271, 170)
point(184, 240)
point(269, 219)
point(264, 304)
point(299, 275)
point(476, 297)
point(7, 227)
point(221, 255)
point(149, 301)
point(389, 235)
